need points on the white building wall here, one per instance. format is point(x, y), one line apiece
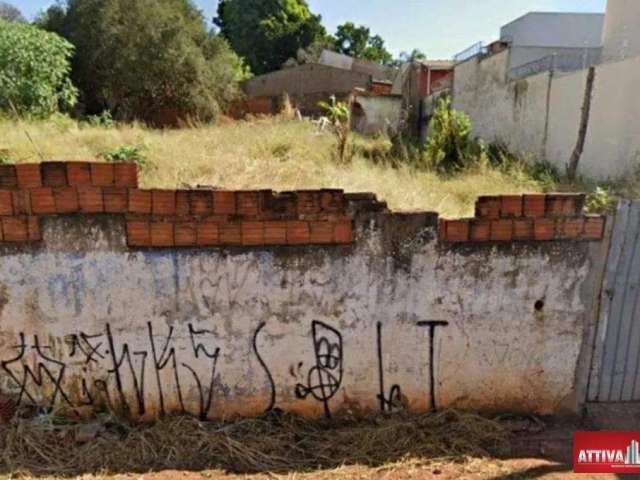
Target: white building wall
point(556, 29)
point(621, 36)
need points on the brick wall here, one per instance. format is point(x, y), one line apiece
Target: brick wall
point(167, 218)
point(534, 217)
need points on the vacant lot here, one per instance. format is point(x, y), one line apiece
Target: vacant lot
point(268, 153)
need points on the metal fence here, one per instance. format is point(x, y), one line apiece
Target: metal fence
point(474, 50)
point(565, 62)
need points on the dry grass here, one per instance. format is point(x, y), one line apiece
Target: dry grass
point(278, 443)
point(268, 153)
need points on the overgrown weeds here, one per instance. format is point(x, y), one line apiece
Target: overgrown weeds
point(277, 443)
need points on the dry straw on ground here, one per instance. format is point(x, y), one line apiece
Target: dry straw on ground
point(278, 443)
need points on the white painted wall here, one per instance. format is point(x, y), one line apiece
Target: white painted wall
point(612, 147)
point(89, 317)
point(621, 36)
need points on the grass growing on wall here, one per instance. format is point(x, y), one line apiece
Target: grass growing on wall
point(266, 153)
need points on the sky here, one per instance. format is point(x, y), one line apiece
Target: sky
point(440, 28)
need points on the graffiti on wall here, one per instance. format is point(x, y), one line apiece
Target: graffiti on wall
point(88, 369)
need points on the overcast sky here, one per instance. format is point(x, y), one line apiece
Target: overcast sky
point(440, 28)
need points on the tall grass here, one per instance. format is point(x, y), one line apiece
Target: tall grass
point(264, 153)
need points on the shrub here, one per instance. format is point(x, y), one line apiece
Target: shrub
point(34, 71)
point(127, 153)
point(449, 146)
point(339, 116)
point(600, 201)
point(151, 60)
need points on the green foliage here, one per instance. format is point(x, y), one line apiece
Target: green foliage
point(408, 57)
point(449, 147)
point(339, 115)
point(104, 120)
point(266, 33)
point(10, 13)
point(5, 158)
point(34, 71)
point(127, 153)
point(151, 60)
point(356, 41)
point(600, 201)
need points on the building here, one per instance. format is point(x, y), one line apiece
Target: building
point(621, 35)
point(538, 35)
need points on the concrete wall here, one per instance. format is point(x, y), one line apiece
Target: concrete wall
point(555, 29)
point(501, 110)
point(621, 37)
point(612, 147)
point(232, 333)
point(540, 115)
point(580, 56)
point(377, 114)
point(412, 311)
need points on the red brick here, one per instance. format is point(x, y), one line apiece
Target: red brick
point(6, 202)
point(126, 175)
point(224, 203)
point(309, 202)
point(544, 229)
point(164, 202)
point(162, 234)
point(42, 201)
point(102, 174)
point(90, 199)
point(248, 204)
point(511, 206)
point(280, 206)
point(523, 229)
point(54, 174)
point(275, 233)
point(78, 173)
point(66, 199)
point(33, 229)
point(593, 228)
point(321, 232)
point(21, 202)
point(8, 176)
point(29, 175)
point(488, 207)
point(442, 230)
point(298, 232)
point(201, 203)
point(139, 201)
point(457, 230)
point(183, 208)
point(534, 205)
point(570, 228)
point(480, 230)
point(15, 229)
point(253, 233)
point(185, 234)
point(343, 232)
point(565, 205)
point(138, 233)
point(208, 234)
point(501, 230)
point(332, 201)
point(115, 199)
point(230, 233)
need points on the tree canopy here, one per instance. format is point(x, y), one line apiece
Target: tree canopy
point(266, 33)
point(10, 13)
point(34, 70)
point(152, 60)
point(357, 41)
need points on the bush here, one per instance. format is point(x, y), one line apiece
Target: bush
point(149, 60)
point(449, 147)
point(34, 71)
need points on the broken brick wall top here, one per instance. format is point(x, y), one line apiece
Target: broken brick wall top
point(319, 301)
point(210, 218)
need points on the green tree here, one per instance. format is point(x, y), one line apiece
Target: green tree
point(10, 13)
point(356, 41)
point(267, 33)
point(151, 60)
point(34, 70)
